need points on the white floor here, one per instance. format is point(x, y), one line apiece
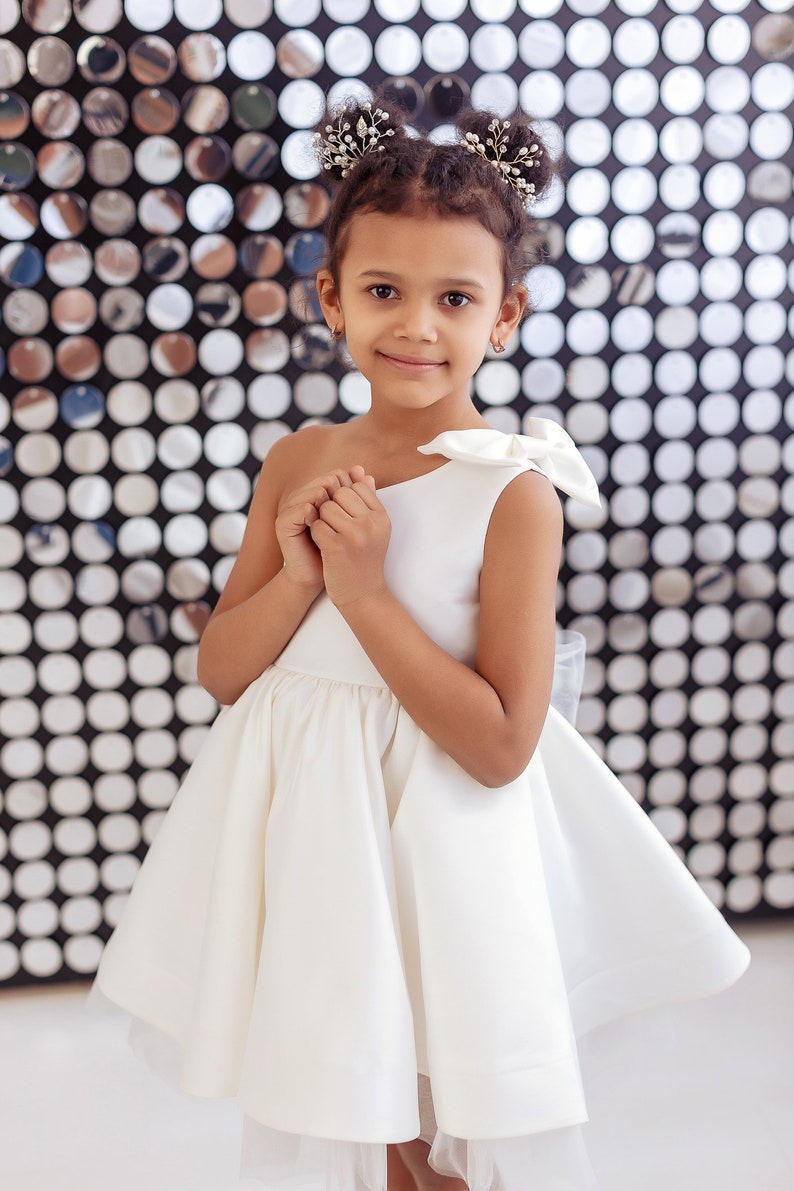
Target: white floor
point(79, 1112)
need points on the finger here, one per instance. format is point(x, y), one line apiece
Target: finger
point(314, 494)
point(325, 487)
point(335, 515)
point(365, 491)
point(295, 518)
point(350, 500)
point(331, 484)
point(349, 476)
point(322, 537)
point(343, 478)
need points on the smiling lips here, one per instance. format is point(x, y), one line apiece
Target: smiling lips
point(410, 363)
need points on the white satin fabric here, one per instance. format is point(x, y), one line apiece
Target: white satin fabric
point(332, 905)
point(549, 448)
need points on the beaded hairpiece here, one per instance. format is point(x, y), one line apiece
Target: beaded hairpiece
point(494, 151)
point(342, 149)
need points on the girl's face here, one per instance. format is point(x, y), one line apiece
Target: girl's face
point(419, 299)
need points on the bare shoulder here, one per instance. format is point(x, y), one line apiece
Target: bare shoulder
point(528, 511)
point(301, 447)
point(297, 458)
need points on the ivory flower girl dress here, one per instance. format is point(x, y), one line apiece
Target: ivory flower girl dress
point(340, 928)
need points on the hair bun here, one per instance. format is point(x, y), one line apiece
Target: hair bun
point(509, 145)
point(351, 132)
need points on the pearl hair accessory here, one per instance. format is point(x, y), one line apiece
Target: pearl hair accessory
point(341, 149)
point(495, 150)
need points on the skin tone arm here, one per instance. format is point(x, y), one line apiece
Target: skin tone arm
point(494, 721)
point(275, 580)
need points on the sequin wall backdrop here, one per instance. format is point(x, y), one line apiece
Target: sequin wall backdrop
point(160, 220)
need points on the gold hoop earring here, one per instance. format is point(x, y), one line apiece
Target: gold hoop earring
point(338, 332)
point(498, 347)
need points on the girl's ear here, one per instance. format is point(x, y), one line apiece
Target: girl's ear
point(329, 298)
point(511, 312)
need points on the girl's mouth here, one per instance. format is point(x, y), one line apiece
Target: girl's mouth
point(410, 363)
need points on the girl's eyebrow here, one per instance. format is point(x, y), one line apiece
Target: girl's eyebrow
point(449, 283)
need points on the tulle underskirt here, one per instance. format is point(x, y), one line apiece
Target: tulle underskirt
point(667, 1112)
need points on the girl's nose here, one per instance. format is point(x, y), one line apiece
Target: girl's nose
point(417, 322)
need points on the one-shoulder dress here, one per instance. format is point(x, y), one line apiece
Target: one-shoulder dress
point(336, 925)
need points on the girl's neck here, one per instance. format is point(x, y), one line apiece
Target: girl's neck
point(406, 429)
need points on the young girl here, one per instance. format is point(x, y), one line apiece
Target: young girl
point(396, 886)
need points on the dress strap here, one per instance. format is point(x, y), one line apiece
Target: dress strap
point(547, 448)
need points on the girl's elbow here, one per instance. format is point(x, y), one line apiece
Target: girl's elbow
point(212, 687)
point(506, 762)
point(211, 681)
point(220, 693)
point(204, 674)
point(500, 772)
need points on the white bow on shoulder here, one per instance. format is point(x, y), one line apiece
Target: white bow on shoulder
point(548, 447)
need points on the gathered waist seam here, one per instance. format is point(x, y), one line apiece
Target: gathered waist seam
point(375, 686)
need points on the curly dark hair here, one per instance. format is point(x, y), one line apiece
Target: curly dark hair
point(410, 174)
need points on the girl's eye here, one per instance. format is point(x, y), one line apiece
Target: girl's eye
point(456, 299)
point(382, 291)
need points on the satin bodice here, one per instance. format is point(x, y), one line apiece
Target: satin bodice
point(439, 524)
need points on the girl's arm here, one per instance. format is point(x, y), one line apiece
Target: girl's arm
point(489, 718)
point(276, 578)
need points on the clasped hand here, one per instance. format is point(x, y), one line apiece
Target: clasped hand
point(348, 533)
